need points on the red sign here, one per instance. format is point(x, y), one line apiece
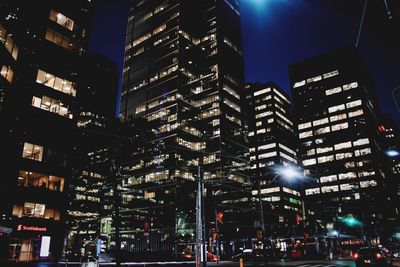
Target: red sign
point(21, 227)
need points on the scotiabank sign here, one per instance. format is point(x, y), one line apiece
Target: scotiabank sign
point(21, 227)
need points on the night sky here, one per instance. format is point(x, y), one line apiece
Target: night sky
point(277, 33)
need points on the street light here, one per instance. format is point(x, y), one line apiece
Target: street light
point(288, 172)
point(392, 153)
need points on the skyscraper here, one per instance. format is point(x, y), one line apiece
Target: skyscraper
point(273, 147)
point(336, 109)
point(183, 69)
point(41, 69)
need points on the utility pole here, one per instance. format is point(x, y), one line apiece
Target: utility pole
point(201, 256)
point(199, 227)
point(261, 208)
point(217, 235)
point(114, 171)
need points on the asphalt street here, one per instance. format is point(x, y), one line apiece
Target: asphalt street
point(327, 263)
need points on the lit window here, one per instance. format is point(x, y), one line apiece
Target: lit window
point(327, 179)
point(266, 191)
point(11, 46)
point(309, 162)
point(324, 159)
point(258, 123)
point(338, 117)
point(336, 108)
point(260, 107)
point(261, 131)
point(314, 79)
point(360, 142)
point(355, 113)
point(341, 156)
point(291, 151)
point(34, 210)
point(264, 114)
point(262, 91)
point(362, 152)
point(304, 125)
point(349, 186)
point(354, 104)
point(267, 155)
point(264, 147)
point(7, 73)
point(140, 39)
point(333, 91)
point(305, 134)
point(52, 105)
point(298, 84)
point(289, 158)
point(159, 29)
point(41, 181)
point(313, 191)
point(330, 74)
point(340, 126)
point(324, 149)
point(290, 191)
point(321, 121)
point(328, 189)
point(366, 173)
point(350, 86)
point(281, 96)
point(32, 151)
point(348, 175)
point(61, 40)
point(56, 83)
point(370, 183)
point(62, 20)
point(322, 130)
point(343, 145)
point(231, 91)
point(310, 152)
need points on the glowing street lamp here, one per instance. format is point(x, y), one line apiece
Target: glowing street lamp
point(392, 153)
point(287, 172)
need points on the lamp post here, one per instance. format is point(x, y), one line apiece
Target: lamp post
point(289, 173)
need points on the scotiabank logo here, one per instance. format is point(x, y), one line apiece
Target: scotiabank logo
point(21, 227)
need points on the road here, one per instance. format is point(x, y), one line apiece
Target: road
point(181, 264)
point(334, 263)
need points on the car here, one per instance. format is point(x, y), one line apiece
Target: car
point(211, 257)
point(246, 255)
point(191, 256)
point(186, 255)
point(372, 256)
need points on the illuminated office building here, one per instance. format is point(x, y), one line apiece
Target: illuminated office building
point(273, 147)
point(183, 70)
point(336, 109)
point(40, 66)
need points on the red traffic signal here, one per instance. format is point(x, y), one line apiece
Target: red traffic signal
point(220, 217)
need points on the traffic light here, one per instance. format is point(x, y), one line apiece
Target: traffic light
point(298, 219)
point(220, 217)
point(350, 220)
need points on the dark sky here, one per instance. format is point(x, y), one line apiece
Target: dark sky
point(277, 33)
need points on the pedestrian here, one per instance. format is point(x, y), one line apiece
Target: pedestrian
point(330, 253)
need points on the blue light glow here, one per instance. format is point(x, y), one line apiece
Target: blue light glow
point(392, 153)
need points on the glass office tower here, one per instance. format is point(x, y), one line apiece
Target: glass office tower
point(183, 72)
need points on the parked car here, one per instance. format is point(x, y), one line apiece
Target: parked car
point(246, 255)
point(191, 256)
point(250, 255)
point(372, 256)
